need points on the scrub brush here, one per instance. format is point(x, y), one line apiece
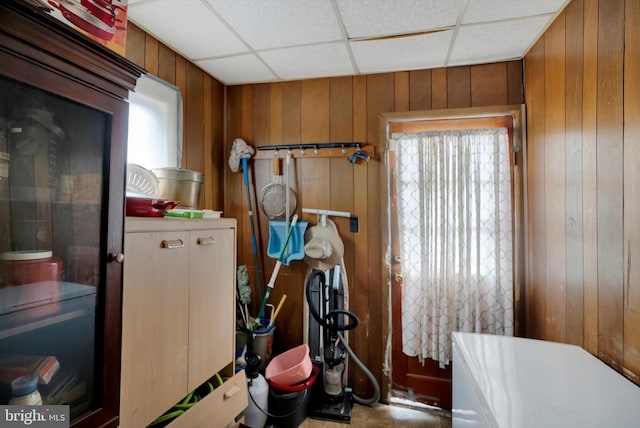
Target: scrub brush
point(244, 294)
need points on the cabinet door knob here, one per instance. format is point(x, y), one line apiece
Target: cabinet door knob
point(116, 257)
point(172, 243)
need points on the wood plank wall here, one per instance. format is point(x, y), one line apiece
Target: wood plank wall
point(582, 81)
point(203, 105)
point(343, 109)
point(319, 110)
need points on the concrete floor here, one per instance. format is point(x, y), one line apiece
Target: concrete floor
point(382, 415)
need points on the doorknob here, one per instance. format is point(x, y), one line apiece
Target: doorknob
point(115, 257)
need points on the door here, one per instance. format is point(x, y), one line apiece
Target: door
point(430, 383)
point(155, 342)
point(211, 302)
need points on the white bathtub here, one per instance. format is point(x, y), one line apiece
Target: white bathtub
point(508, 382)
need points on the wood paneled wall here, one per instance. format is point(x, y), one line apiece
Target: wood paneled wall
point(582, 81)
point(343, 109)
point(339, 109)
point(203, 106)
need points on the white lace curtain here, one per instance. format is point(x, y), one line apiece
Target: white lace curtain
point(455, 225)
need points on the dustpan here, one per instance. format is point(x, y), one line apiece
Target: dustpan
point(278, 236)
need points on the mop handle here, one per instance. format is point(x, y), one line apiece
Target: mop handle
point(254, 241)
point(294, 220)
point(264, 303)
point(276, 269)
point(245, 179)
point(245, 173)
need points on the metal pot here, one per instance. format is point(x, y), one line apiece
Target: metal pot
point(180, 185)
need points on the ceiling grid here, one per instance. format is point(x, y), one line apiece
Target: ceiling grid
point(255, 41)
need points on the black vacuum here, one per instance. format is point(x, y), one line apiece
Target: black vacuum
point(332, 399)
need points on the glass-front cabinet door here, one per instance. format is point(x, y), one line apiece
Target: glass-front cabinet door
point(52, 176)
point(63, 133)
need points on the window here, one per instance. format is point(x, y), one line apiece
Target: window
point(155, 124)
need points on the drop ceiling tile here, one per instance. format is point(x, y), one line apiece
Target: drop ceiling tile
point(237, 69)
point(304, 62)
point(280, 23)
point(494, 10)
point(483, 43)
point(188, 26)
point(294, 37)
point(402, 53)
point(366, 18)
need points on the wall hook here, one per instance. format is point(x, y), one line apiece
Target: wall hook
point(359, 155)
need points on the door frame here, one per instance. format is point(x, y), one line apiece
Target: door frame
point(386, 121)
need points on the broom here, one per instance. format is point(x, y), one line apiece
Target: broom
point(276, 269)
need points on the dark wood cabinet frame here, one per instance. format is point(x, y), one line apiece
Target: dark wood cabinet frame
point(40, 51)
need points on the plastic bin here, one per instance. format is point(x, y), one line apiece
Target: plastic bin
point(262, 343)
point(289, 406)
point(290, 367)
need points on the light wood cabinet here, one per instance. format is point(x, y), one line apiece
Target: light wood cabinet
point(211, 302)
point(178, 318)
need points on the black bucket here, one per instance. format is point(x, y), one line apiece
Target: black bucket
point(288, 409)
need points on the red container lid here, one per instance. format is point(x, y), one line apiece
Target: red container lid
point(315, 371)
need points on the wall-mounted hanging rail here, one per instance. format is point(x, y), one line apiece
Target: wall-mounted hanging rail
point(352, 151)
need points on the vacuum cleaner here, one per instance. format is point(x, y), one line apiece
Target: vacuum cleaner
point(325, 299)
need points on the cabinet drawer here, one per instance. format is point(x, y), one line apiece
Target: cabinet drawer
point(218, 408)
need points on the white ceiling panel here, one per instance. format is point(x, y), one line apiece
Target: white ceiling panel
point(251, 41)
point(368, 18)
point(188, 26)
point(494, 10)
point(406, 53)
point(303, 62)
point(237, 69)
point(279, 23)
point(480, 43)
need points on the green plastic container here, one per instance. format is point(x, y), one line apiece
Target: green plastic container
point(182, 213)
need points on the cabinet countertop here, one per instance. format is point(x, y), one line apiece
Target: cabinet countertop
point(150, 224)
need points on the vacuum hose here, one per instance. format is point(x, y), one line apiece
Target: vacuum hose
point(330, 322)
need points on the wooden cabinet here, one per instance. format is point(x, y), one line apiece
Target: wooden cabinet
point(155, 326)
point(63, 134)
point(211, 302)
point(178, 318)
